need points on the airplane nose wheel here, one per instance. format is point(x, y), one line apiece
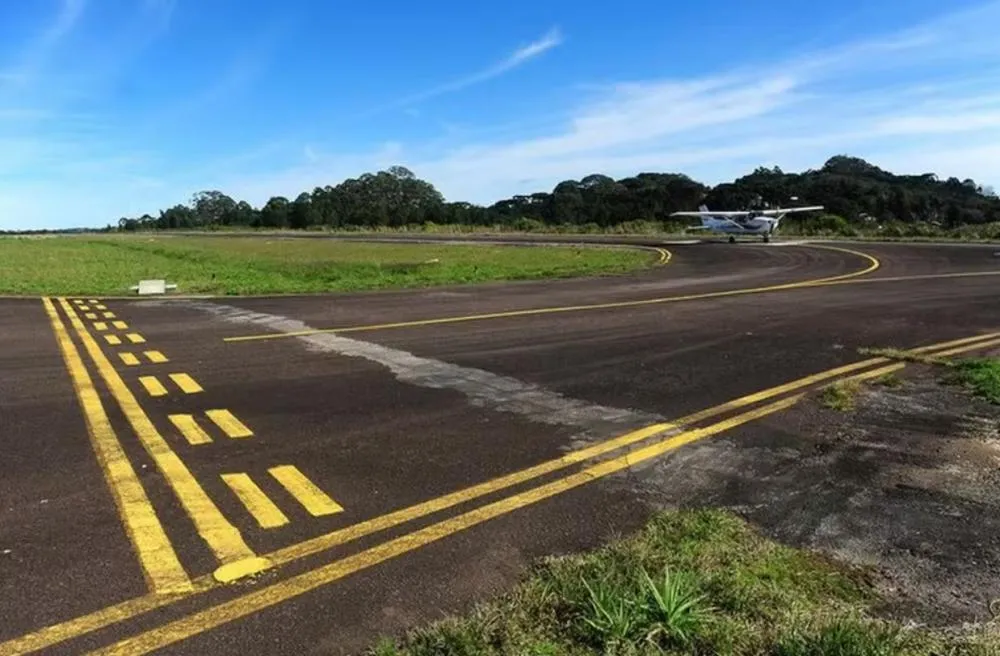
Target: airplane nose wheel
point(732, 240)
point(767, 239)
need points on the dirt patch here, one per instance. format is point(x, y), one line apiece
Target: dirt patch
point(907, 482)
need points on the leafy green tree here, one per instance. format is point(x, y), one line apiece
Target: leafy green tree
point(275, 213)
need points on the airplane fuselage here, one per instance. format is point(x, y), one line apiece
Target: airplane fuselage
point(751, 226)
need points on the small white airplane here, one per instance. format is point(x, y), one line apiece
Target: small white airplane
point(744, 222)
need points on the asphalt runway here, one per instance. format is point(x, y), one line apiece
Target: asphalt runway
point(359, 464)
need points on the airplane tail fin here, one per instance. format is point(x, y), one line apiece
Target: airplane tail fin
point(704, 219)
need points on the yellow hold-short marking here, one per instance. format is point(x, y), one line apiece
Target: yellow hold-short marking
point(156, 357)
point(256, 501)
point(190, 429)
point(229, 424)
point(187, 384)
point(160, 566)
point(313, 499)
point(153, 385)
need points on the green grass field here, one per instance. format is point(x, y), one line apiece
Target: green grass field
point(273, 265)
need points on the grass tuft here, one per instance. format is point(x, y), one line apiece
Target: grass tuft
point(980, 375)
point(845, 638)
point(841, 395)
point(904, 356)
point(890, 380)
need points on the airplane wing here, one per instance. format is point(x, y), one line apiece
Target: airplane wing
point(718, 214)
point(791, 210)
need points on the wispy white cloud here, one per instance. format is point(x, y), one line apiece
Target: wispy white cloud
point(26, 64)
point(911, 92)
point(66, 18)
point(519, 57)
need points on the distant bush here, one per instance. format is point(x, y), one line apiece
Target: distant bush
point(529, 225)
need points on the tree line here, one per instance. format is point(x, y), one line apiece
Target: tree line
point(853, 191)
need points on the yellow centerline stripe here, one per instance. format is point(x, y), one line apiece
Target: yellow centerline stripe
point(314, 500)
point(222, 537)
point(229, 424)
point(187, 384)
point(296, 586)
point(190, 429)
point(872, 266)
point(256, 501)
point(964, 349)
point(161, 568)
point(128, 609)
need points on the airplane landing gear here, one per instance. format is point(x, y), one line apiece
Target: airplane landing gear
point(732, 239)
point(767, 239)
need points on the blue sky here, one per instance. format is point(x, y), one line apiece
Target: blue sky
point(119, 107)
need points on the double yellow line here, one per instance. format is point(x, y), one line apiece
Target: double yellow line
point(669, 436)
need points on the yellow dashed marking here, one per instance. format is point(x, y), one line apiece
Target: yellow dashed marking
point(109, 315)
point(229, 424)
point(100, 325)
point(78, 301)
point(114, 340)
point(129, 359)
point(190, 429)
point(90, 315)
point(156, 357)
point(136, 338)
point(186, 383)
point(120, 325)
point(100, 306)
point(153, 385)
point(92, 300)
point(315, 500)
point(260, 506)
point(85, 307)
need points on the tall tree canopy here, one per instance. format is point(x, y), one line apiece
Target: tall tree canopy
point(849, 187)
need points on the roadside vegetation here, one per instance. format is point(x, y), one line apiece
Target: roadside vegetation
point(697, 582)
point(980, 375)
point(110, 265)
point(841, 394)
